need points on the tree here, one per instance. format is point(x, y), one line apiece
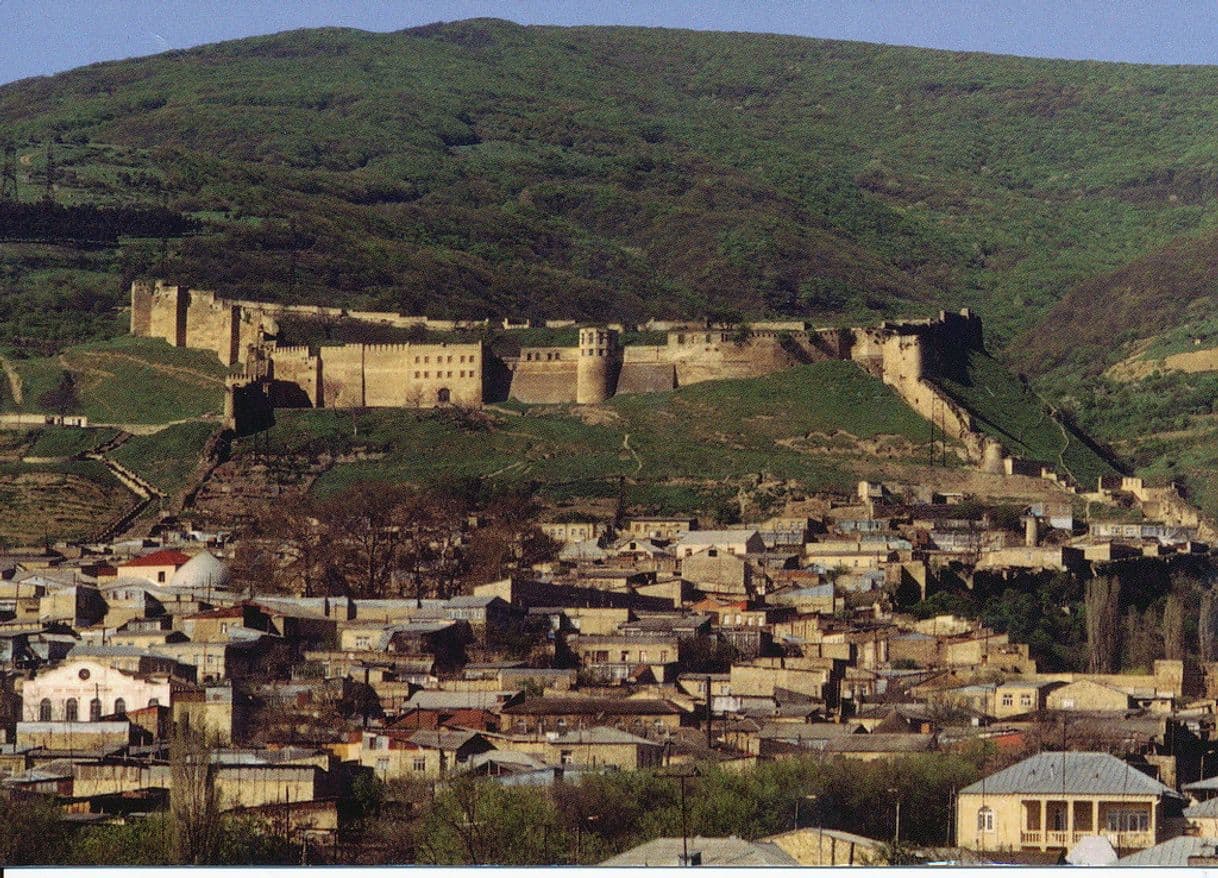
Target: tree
point(62, 398)
point(1173, 627)
point(31, 832)
point(1102, 599)
point(1207, 626)
point(193, 803)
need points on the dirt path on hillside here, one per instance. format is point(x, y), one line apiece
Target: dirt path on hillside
point(637, 460)
point(14, 382)
point(184, 372)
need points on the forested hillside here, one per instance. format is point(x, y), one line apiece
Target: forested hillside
point(481, 168)
point(486, 168)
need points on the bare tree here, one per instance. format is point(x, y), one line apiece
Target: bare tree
point(1102, 600)
point(1207, 626)
point(1173, 627)
point(193, 802)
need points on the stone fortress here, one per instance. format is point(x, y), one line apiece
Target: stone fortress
point(907, 355)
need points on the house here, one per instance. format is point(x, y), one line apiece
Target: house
point(1202, 818)
point(720, 572)
point(1185, 850)
point(156, 567)
point(614, 658)
point(731, 542)
point(552, 714)
point(1052, 800)
point(702, 851)
point(819, 846)
point(574, 531)
point(87, 691)
point(1089, 696)
point(656, 527)
point(1021, 695)
point(603, 747)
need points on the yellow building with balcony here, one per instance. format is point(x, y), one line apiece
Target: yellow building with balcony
point(1052, 800)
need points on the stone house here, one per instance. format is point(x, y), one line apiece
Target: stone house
point(719, 572)
point(539, 716)
point(1021, 695)
point(731, 542)
point(660, 527)
point(156, 567)
point(1087, 695)
point(602, 747)
point(612, 658)
point(1052, 800)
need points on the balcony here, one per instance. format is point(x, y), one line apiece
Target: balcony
point(1060, 838)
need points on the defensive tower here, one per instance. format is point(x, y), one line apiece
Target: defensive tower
point(600, 360)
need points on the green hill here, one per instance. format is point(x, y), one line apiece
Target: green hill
point(482, 167)
point(125, 380)
point(819, 426)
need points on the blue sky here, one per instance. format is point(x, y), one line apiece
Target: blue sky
point(46, 36)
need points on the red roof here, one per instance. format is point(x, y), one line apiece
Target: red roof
point(161, 558)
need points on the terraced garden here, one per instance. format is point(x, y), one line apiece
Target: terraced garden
point(57, 502)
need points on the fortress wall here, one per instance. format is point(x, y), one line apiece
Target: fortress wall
point(545, 355)
point(167, 314)
point(640, 353)
point(422, 375)
point(342, 376)
point(141, 308)
point(295, 365)
point(545, 383)
point(645, 377)
point(212, 324)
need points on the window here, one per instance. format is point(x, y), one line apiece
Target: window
point(120, 707)
point(566, 757)
point(1025, 700)
point(382, 765)
point(985, 820)
point(70, 710)
point(160, 576)
point(1008, 699)
point(44, 710)
point(420, 763)
point(625, 656)
point(1128, 820)
point(443, 395)
point(94, 710)
point(154, 702)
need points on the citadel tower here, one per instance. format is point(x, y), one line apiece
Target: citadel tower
point(600, 360)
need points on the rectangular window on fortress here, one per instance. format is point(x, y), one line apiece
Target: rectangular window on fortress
point(416, 371)
point(424, 374)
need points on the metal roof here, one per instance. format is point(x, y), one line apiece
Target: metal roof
point(1208, 808)
point(1085, 774)
point(730, 851)
point(1173, 852)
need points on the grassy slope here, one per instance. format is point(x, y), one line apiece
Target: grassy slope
point(484, 167)
point(67, 441)
point(681, 444)
point(1018, 418)
point(128, 381)
point(168, 457)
